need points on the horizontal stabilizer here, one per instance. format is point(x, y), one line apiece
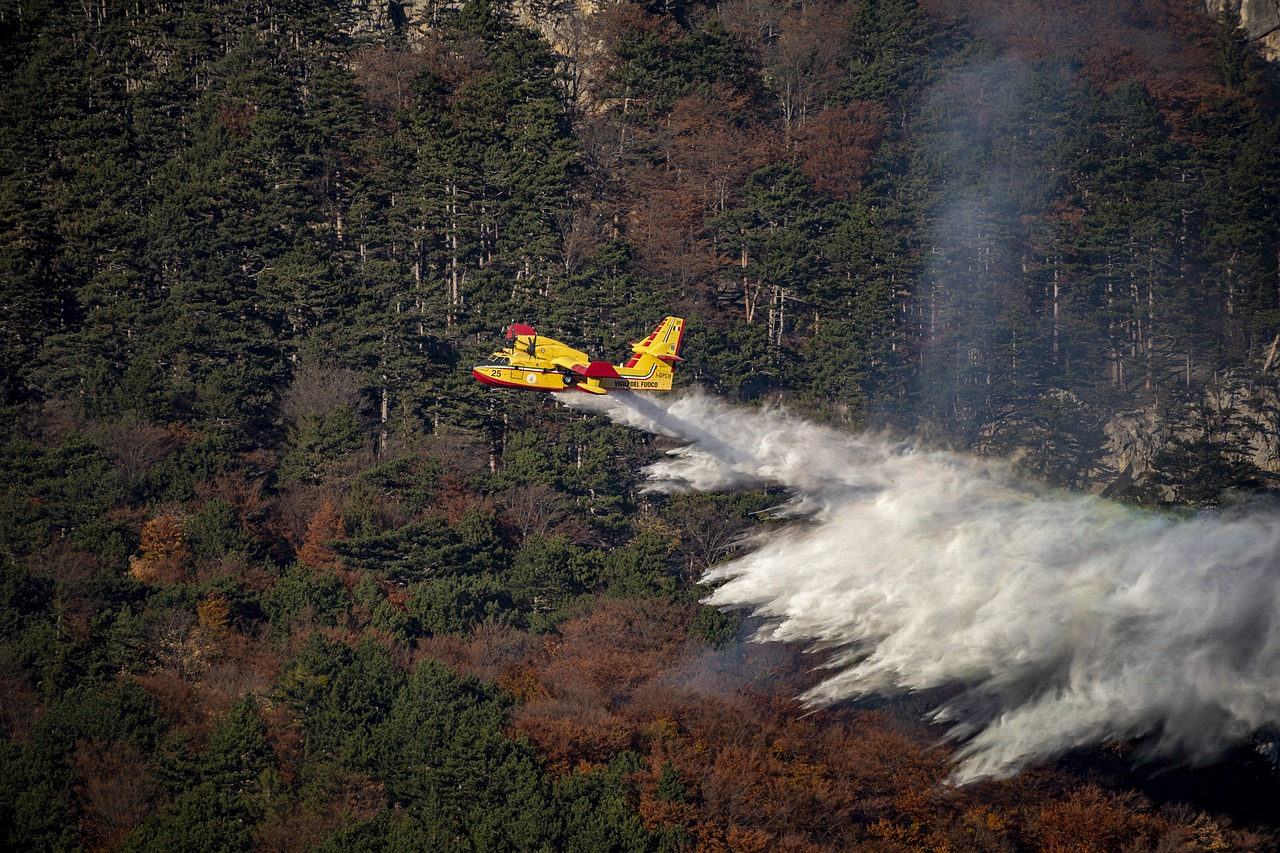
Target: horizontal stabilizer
point(519, 329)
point(663, 342)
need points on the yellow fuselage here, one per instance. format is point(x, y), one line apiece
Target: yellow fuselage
point(538, 363)
point(551, 367)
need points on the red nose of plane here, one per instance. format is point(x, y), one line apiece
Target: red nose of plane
point(484, 377)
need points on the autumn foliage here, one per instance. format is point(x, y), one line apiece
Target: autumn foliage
point(162, 555)
point(327, 525)
point(753, 770)
point(276, 574)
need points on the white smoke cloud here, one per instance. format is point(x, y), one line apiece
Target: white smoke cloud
point(1056, 620)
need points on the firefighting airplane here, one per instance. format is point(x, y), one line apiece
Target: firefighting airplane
point(538, 363)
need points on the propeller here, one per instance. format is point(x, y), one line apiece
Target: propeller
point(518, 329)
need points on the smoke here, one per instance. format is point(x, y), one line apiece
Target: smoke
point(1054, 620)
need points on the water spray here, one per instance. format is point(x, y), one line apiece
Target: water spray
point(1055, 620)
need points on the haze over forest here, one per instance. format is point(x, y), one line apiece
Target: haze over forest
point(276, 573)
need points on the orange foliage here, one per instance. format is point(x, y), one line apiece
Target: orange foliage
point(213, 620)
point(742, 840)
point(620, 646)
point(1090, 818)
point(327, 525)
point(163, 556)
point(523, 684)
point(762, 772)
point(657, 813)
point(574, 732)
point(454, 501)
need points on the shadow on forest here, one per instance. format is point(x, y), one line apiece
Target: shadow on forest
point(1243, 786)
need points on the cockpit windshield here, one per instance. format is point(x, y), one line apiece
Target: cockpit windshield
point(497, 360)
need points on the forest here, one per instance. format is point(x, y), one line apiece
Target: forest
point(277, 574)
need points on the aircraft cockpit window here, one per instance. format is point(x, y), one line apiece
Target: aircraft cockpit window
point(499, 361)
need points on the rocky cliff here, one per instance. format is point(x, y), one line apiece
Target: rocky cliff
point(1261, 19)
point(559, 21)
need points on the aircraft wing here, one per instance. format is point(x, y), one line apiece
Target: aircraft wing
point(598, 369)
point(577, 362)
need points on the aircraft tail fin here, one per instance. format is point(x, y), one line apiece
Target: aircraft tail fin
point(517, 329)
point(663, 343)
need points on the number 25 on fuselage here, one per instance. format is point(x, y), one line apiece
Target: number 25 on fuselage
point(538, 363)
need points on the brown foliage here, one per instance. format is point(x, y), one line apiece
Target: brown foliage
point(697, 159)
point(20, 706)
point(462, 454)
point(293, 509)
point(1089, 818)
point(327, 525)
point(667, 227)
point(241, 489)
point(285, 736)
point(582, 230)
point(134, 445)
point(174, 698)
point(49, 422)
point(346, 797)
point(836, 145)
point(756, 23)
point(714, 142)
point(763, 772)
point(657, 813)
point(706, 534)
point(70, 568)
point(114, 789)
point(67, 565)
point(803, 63)
point(574, 731)
point(317, 391)
point(385, 76)
point(582, 684)
point(254, 574)
point(208, 639)
point(204, 667)
point(222, 684)
point(1164, 44)
point(452, 504)
point(490, 652)
point(537, 509)
point(618, 648)
point(236, 119)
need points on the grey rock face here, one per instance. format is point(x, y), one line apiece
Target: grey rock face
point(1261, 19)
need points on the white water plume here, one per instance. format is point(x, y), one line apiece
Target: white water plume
point(1055, 620)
